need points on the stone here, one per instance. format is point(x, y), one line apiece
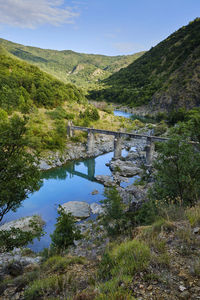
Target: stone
point(124, 168)
point(182, 288)
point(44, 165)
point(23, 223)
point(96, 208)
point(105, 180)
point(196, 230)
point(95, 192)
point(78, 209)
point(14, 268)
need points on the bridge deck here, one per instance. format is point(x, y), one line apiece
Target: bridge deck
point(119, 133)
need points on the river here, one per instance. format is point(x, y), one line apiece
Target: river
point(72, 182)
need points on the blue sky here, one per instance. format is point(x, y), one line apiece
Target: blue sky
point(110, 27)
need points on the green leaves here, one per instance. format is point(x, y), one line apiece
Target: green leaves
point(177, 177)
point(65, 231)
point(19, 174)
point(23, 85)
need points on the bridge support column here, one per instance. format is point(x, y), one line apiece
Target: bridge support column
point(69, 129)
point(117, 147)
point(90, 142)
point(149, 151)
point(91, 168)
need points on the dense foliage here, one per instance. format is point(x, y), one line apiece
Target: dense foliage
point(177, 176)
point(167, 73)
point(66, 231)
point(19, 174)
point(16, 237)
point(78, 68)
point(23, 85)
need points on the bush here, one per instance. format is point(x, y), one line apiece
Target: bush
point(193, 215)
point(113, 219)
point(66, 231)
point(91, 113)
point(177, 176)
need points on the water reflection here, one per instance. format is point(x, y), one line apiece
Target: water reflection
point(70, 169)
point(74, 181)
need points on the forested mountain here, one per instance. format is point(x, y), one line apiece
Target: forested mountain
point(166, 77)
point(23, 85)
point(71, 67)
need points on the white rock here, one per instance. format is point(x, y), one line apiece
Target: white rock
point(182, 288)
point(23, 223)
point(78, 209)
point(106, 180)
point(96, 208)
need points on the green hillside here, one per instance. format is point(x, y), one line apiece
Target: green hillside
point(165, 77)
point(23, 85)
point(71, 67)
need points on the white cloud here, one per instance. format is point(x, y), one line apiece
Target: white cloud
point(33, 13)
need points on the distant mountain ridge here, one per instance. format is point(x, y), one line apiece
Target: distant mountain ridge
point(164, 78)
point(81, 69)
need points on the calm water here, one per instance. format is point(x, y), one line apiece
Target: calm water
point(124, 114)
point(72, 182)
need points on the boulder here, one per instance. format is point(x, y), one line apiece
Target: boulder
point(95, 192)
point(124, 168)
point(23, 223)
point(96, 208)
point(105, 180)
point(78, 209)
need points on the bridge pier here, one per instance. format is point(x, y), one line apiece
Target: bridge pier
point(70, 131)
point(117, 147)
point(149, 151)
point(90, 142)
point(91, 167)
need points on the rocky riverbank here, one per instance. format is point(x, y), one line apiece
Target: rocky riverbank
point(75, 151)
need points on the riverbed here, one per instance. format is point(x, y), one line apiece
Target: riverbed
point(71, 182)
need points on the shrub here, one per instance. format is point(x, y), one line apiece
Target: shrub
point(91, 113)
point(65, 232)
point(193, 215)
point(113, 219)
point(177, 176)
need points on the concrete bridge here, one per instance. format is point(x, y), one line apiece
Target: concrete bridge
point(118, 136)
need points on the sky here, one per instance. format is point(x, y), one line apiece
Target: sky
point(109, 27)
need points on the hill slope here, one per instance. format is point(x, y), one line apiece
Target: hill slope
point(69, 66)
point(22, 85)
point(167, 76)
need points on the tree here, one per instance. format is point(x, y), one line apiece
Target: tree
point(114, 218)
point(19, 174)
point(65, 232)
point(177, 176)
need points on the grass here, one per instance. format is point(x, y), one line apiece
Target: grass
point(53, 278)
point(59, 263)
point(121, 263)
point(45, 286)
point(193, 215)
